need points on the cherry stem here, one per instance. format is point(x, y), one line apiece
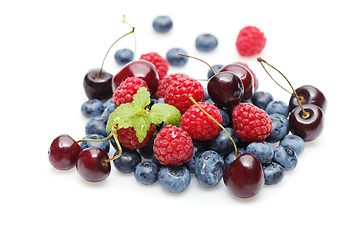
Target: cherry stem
point(222, 127)
point(124, 21)
point(305, 114)
point(197, 59)
point(100, 72)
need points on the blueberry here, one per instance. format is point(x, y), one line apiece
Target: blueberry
point(176, 60)
point(209, 167)
point(154, 160)
point(206, 42)
point(206, 94)
point(127, 161)
point(222, 144)
point(231, 156)
point(108, 111)
point(146, 173)
point(216, 68)
point(274, 173)
point(294, 142)
point(147, 151)
point(174, 179)
point(280, 128)
point(261, 99)
point(277, 107)
point(286, 157)
point(262, 150)
point(123, 56)
point(108, 103)
point(159, 100)
point(162, 24)
point(226, 122)
point(96, 125)
point(92, 108)
point(104, 145)
point(199, 147)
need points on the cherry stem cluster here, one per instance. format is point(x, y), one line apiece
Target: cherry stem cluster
point(124, 21)
point(261, 61)
point(222, 127)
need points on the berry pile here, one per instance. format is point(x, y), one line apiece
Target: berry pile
point(169, 128)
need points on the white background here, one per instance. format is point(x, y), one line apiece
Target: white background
point(48, 46)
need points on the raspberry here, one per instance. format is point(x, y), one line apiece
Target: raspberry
point(245, 65)
point(173, 146)
point(165, 82)
point(127, 137)
point(160, 63)
point(251, 123)
point(177, 93)
point(250, 41)
point(198, 125)
point(127, 89)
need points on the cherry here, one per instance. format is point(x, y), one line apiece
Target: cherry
point(91, 165)
point(244, 177)
point(307, 127)
point(97, 83)
point(63, 152)
point(245, 76)
point(139, 68)
point(308, 94)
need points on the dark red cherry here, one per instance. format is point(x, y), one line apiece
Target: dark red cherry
point(63, 152)
point(310, 127)
point(225, 89)
point(98, 87)
point(244, 177)
point(139, 68)
point(245, 76)
point(308, 95)
point(91, 166)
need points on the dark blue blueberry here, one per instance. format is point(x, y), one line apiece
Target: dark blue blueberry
point(262, 150)
point(216, 68)
point(174, 179)
point(162, 24)
point(146, 173)
point(108, 103)
point(108, 111)
point(96, 125)
point(277, 107)
point(176, 60)
point(147, 151)
point(209, 167)
point(199, 147)
point(222, 144)
point(225, 118)
point(206, 94)
point(231, 156)
point(261, 99)
point(294, 142)
point(159, 100)
point(123, 56)
point(286, 157)
point(104, 145)
point(274, 173)
point(280, 128)
point(92, 108)
point(127, 161)
point(206, 42)
point(154, 160)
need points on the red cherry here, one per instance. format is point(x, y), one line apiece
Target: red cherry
point(98, 87)
point(139, 68)
point(244, 177)
point(308, 95)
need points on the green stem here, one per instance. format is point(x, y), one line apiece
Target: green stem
point(222, 127)
point(124, 21)
point(114, 134)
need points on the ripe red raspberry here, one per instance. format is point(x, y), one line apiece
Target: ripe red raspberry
point(127, 137)
point(254, 76)
point(177, 94)
point(250, 41)
point(251, 123)
point(166, 81)
point(198, 125)
point(173, 146)
point(127, 89)
point(160, 63)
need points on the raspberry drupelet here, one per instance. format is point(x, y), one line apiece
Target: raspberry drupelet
point(127, 89)
point(166, 81)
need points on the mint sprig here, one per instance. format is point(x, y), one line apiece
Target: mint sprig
point(139, 116)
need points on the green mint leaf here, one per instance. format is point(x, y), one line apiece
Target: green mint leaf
point(123, 115)
point(141, 126)
point(162, 112)
point(141, 98)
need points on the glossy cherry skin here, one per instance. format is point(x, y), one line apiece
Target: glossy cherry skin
point(63, 152)
point(89, 164)
point(307, 128)
point(98, 87)
point(245, 76)
point(311, 95)
point(225, 89)
point(139, 68)
point(245, 176)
